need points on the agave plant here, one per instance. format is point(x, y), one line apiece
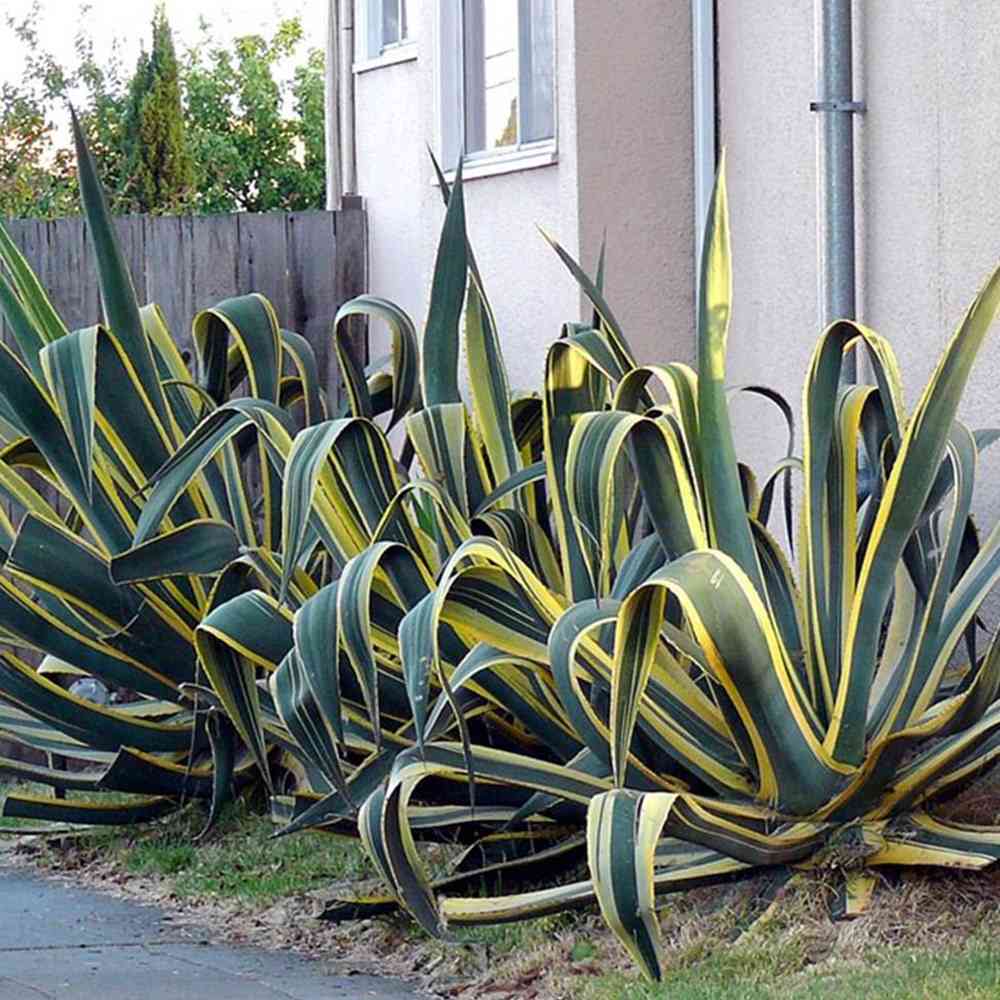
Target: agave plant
point(572, 635)
point(88, 417)
point(363, 543)
point(743, 718)
point(576, 632)
point(343, 692)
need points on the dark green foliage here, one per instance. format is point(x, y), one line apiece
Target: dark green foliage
point(27, 182)
point(252, 156)
point(31, 179)
point(212, 127)
point(160, 174)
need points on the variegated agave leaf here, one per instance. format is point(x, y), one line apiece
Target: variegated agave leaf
point(569, 635)
point(125, 535)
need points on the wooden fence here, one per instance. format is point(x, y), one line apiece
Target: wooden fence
point(306, 263)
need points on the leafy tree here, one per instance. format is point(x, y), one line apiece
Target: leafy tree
point(310, 116)
point(251, 132)
point(160, 174)
point(37, 178)
point(102, 113)
point(33, 175)
point(252, 156)
point(31, 180)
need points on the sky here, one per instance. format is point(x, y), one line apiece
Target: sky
point(129, 21)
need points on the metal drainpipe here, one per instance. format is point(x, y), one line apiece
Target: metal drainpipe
point(331, 106)
point(349, 160)
point(704, 98)
point(837, 106)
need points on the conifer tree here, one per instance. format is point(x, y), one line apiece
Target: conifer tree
point(159, 167)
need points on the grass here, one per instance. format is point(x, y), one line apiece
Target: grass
point(506, 939)
point(972, 972)
point(239, 859)
point(927, 934)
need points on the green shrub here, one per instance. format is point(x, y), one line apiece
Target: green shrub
point(87, 418)
point(515, 665)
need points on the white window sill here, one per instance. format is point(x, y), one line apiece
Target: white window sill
point(390, 57)
point(494, 164)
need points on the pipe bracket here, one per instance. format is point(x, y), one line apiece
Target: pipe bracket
point(847, 107)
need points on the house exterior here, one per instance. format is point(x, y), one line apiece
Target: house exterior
point(605, 148)
point(610, 133)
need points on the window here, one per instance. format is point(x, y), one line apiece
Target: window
point(385, 24)
point(497, 75)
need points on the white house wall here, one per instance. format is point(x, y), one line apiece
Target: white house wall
point(766, 81)
point(928, 192)
point(624, 162)
point(931, 187)
point(532, 294)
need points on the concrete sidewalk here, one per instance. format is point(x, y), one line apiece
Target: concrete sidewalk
point(60, 941)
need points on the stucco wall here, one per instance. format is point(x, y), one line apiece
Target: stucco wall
point(397, 113)
point(390, 158)
point(931, 192)
point(636, 166)
point(928, 191)
point(766, 81)
point(624, 161)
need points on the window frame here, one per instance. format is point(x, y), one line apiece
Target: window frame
point(371, 48)
point(453, 107)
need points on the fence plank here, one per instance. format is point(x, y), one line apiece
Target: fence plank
point(214, 249)
point(70, 289)
point(169, 266)
point(263, 259)
point(312, 250)
point(35, 247)
point(24, 232)
point(131, 231)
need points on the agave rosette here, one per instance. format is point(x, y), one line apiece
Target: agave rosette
point(573, 638)
point(89, 416)
point(583, 638)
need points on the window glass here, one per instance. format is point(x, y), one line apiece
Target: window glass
point(536, 59)
point(390, 22)
point(508, 73)
point(497, 75)
point(500, 74)
point(386, 25)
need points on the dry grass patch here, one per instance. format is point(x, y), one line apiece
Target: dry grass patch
point(926, 932)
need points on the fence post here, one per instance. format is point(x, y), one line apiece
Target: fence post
point(187, 263)
point(350, 280)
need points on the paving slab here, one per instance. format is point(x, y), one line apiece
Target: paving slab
point(58, 940)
